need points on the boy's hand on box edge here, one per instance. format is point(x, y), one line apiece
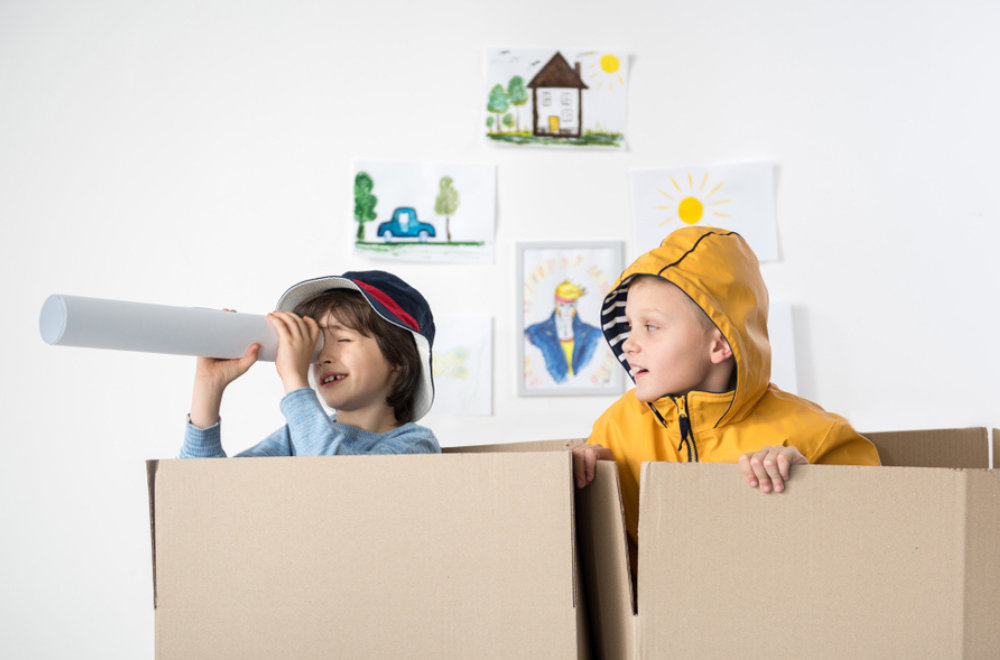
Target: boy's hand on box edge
point(585, 459)
point(770, 467)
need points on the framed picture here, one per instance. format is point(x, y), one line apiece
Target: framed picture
point(560, 288)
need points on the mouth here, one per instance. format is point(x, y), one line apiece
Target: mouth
point(638, 371)
point(330, 379)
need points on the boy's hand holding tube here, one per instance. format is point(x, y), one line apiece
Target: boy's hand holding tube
point(211, 379)
point(297, 337)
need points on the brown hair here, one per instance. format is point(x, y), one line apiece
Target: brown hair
point(397, 345)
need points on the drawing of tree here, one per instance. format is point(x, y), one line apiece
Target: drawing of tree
point(508, 120)
point(364, 202)
point(518, 95)
point(489, 123)
point(498, 103)
point(447, 203)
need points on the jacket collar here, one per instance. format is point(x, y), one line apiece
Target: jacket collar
point(705, 410)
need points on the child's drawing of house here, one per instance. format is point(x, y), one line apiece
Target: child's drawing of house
point(557, 99)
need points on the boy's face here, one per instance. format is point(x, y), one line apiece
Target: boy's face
point(668, 348)
point(351, 373)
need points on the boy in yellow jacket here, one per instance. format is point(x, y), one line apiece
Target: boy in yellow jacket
point(688, 321)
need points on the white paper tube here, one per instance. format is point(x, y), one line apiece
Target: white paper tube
point(130, 326)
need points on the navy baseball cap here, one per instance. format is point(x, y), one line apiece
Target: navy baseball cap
point(395, 301)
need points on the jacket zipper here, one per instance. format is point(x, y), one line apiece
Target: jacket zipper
point(687, 437)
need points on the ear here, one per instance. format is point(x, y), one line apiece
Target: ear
point(720, 349)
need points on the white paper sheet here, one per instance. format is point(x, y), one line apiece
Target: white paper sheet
point(420, 211)
point(142, 327)
point(556, 97)
point(738, 197)
point(463, 376)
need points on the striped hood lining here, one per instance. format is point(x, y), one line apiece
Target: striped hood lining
point(614, 325)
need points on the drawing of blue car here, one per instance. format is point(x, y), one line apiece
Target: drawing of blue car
point(404, 224)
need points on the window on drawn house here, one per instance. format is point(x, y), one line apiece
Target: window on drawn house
point(546, 98)
point(567, 115)
point(567, 98)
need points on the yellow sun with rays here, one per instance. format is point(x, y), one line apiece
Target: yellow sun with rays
point(691, 204)
point(608, 67)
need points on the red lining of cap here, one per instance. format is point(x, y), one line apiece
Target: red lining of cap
point(389, 304)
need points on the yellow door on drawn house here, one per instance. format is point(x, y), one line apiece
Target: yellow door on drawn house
point(553, 123)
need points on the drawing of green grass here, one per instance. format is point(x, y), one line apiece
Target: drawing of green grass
point(588, 139)
point(401, 246)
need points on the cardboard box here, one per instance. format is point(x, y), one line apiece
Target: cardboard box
point(474, 554)
point(859, 562)
point(452, 556)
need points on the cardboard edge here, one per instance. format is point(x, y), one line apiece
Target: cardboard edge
point(516, 447)
point(151, 467)
point(604, 560)
point(968, 447)
point(995, 450)
point(981, 636)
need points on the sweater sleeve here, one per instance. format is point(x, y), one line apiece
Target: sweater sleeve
point(202, 443)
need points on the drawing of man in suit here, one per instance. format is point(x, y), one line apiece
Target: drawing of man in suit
point(566, 342)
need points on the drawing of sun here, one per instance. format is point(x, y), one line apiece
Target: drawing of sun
point(690, 205)
point(608, 68)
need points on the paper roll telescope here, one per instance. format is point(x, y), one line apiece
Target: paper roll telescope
point(146, 328)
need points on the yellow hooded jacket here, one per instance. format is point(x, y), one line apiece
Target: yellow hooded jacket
point(720, 273)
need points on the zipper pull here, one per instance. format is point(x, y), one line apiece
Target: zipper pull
point(687, 437)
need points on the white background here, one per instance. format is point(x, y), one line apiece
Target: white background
point(199, 153)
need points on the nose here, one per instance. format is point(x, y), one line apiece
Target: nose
point(321, 354)
point(630, 345)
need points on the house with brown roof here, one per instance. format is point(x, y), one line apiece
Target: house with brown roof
point(557, 99)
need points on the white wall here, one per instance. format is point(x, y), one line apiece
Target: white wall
point(198, 153)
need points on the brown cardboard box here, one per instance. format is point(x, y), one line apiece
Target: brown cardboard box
point(453, 556)
point(473, 554)
point(848, 562)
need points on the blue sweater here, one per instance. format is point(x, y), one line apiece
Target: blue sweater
point(311, 432)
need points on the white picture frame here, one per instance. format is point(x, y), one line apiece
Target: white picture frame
point(560, 289)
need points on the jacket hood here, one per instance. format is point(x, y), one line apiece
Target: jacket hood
point(720, 273)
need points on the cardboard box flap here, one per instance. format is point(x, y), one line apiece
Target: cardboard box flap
point(416, 556)
point(948, 448)
point(513, 447)
point(982, 566)
point(995, 447)
point(151, 487)
point(603, 553)
point(854, 561)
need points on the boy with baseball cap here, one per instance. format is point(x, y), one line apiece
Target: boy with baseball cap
point(374, 369)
